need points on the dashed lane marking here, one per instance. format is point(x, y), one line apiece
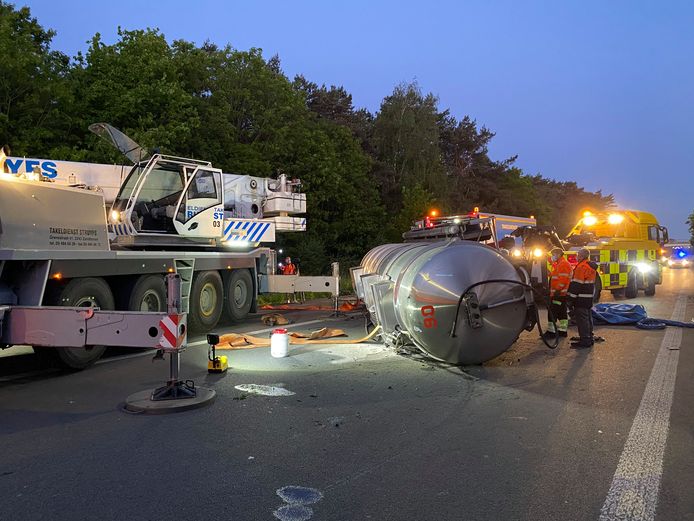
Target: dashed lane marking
point(633, 494)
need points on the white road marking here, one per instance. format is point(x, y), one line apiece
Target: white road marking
point(633, 494)
point(123, 357)
point(204, 342)
point(266, 330)
point(29, 374)
point(308, 322)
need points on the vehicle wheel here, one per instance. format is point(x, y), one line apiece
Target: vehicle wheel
point(598, 290)
point(86, 292)
point(239, 294)
point(650, 287)
point(206, 300)
point(632, 289)
point(148, 294)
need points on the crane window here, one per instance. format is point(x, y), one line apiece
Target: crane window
point(203, 186)
point(202, 193)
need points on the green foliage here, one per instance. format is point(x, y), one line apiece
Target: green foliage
point(33, 89)
point(406, 144)
point(690, 222)
point(134, 85)
point(367, 176)
point(416, 202)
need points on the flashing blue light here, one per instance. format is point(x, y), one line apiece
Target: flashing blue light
point(681, 254)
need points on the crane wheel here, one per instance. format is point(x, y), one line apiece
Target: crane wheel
point(206, 301)
point(148, 294)
point(239, 294)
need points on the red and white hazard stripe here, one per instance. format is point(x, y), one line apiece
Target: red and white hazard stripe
point(170, 338)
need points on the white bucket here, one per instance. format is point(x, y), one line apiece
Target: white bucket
point(279, 343)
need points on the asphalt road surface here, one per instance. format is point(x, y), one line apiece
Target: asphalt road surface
point(535, 434)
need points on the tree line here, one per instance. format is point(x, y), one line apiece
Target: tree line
point(367, 175)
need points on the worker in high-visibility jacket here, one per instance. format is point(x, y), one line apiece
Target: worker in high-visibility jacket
point(559, 279)
point(288, 268)
point(581, 291)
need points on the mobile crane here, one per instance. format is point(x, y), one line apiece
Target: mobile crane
point(61, 246)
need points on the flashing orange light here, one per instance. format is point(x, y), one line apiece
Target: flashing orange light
point(532, 216)
point(170, 270)
point(587, 213)
point(476, 209)
point(615, 218)
point(57, 276)
point(434, 213)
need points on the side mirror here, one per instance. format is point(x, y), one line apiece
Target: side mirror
point(666, 236)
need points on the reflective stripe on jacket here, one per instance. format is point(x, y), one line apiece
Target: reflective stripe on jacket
point(559, 278)
point(582, 285)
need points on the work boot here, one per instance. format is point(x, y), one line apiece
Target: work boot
point(581, 345)
point(548, 335)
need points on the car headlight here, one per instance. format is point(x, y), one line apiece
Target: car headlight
point(538, 252)
point(685, 262)
point(643, 267)
point(516, 252)
point(670, 263)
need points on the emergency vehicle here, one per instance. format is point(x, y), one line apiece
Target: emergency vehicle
point(625, 244)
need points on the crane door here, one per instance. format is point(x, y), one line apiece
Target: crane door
point(200, 211)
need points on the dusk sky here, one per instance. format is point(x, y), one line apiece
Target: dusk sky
point(599, 92)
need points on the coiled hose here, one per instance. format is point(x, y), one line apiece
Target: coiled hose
point(661, 323)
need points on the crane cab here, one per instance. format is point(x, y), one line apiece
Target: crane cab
point(168, 200)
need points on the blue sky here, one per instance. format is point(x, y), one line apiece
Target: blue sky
point(600, 92)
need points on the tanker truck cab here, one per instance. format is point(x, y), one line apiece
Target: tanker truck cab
point(625, 244)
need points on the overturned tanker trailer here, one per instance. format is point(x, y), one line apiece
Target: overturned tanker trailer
point(459, 301)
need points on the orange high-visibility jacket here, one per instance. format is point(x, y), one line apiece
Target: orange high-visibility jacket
point(559, 278)
point(582, 285)
point(289, 269)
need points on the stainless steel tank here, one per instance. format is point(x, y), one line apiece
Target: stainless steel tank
point(415, 290)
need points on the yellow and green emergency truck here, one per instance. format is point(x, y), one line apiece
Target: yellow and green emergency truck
point(626, 244)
